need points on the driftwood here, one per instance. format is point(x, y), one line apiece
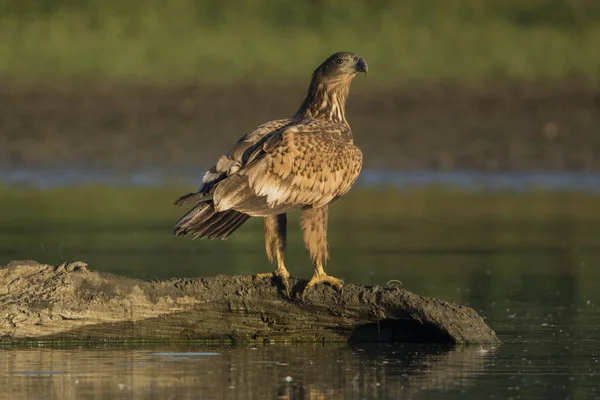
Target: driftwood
point(71, 302)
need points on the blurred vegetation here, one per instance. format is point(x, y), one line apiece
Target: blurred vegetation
point(510, 126)
point(215, 40)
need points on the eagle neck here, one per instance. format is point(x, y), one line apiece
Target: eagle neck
point(325, 101)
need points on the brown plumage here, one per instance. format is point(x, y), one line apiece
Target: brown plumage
point(303, 162)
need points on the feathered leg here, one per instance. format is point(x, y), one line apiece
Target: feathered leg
point(275, 240)
point(314, 230)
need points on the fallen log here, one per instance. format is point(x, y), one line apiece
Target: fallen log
point(71, 302)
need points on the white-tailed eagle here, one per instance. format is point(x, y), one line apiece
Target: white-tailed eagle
point(302, 163)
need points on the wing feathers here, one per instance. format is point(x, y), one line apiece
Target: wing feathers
point(282, 168)
point(304, 166)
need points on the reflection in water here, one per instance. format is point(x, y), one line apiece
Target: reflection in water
point(264, 372)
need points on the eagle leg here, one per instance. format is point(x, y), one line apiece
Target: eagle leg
point(275, 241)
point(314, 232)
point(321, 277)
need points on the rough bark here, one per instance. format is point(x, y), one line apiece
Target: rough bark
point(70, 302)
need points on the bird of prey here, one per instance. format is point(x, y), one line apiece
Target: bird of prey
point(305, 162)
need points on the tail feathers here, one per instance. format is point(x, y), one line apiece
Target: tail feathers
point(230, 226)
point(192, 198)
point(203, 221)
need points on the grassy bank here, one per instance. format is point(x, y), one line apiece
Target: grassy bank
point(186, 40)
point(132, 127)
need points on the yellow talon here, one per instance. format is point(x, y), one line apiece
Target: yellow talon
point(321, 277)
point(333, 281)
point(264, 275)
point(280, 274)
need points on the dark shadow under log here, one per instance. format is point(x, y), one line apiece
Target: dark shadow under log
point(70, 302)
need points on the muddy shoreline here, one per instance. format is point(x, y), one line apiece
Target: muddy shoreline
point(498, 127)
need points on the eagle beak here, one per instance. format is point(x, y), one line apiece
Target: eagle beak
point(361, 65)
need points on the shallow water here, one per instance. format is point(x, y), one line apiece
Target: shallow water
point(290, 372)
point(528, 263)
point(467, 180)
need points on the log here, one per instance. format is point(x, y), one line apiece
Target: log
point(72, 302)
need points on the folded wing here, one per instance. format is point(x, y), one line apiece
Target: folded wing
point(230, 163)
point(300, 165)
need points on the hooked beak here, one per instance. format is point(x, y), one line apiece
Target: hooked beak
point(361, 65)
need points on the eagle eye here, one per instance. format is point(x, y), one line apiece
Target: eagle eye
point(339, 61)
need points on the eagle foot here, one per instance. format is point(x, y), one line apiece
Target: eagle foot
point(280, 278)
point(323, 278)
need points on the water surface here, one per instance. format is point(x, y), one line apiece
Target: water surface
point(527, 261)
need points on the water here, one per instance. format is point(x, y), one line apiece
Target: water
point(265, 372)
point(553, 361)
point(527, 261)
point(469, 180)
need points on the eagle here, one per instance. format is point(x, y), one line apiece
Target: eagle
point(304, 162)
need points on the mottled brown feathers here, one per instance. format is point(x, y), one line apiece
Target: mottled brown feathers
point(301, 162)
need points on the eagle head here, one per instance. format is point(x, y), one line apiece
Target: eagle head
point(330, 86)
point(341, 65)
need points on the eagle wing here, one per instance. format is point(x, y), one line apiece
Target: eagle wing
point(305, 164)
point(231, 162)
